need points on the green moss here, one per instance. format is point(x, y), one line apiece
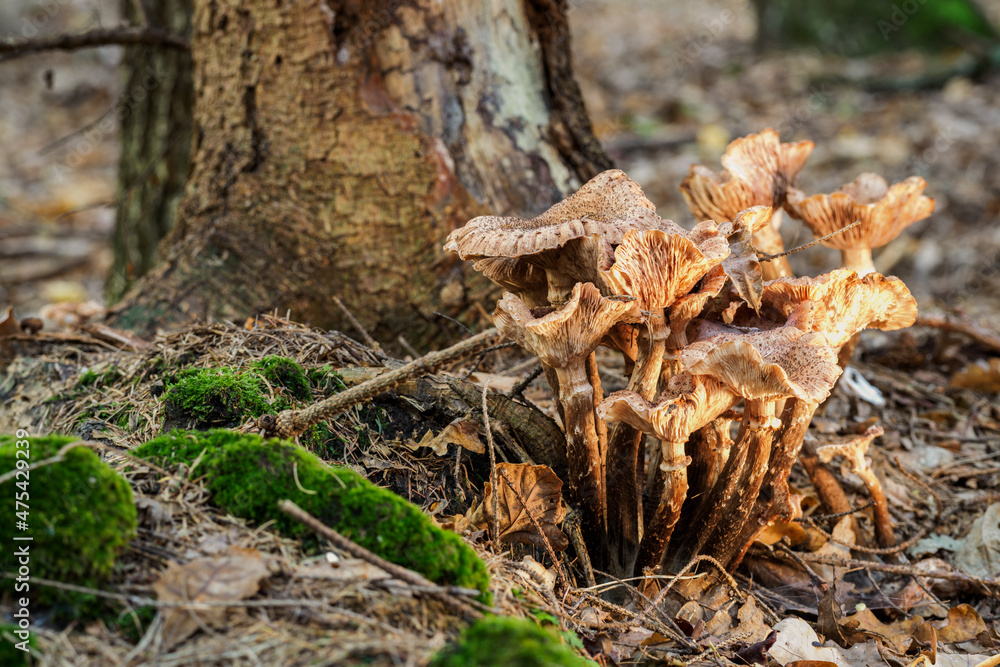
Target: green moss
point(225, 397)
point(285, 373)
point(10, 655)
point(248, 476)
point(90, 378)
point(499, 640)
point(79, 514)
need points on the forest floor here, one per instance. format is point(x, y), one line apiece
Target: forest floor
point(661, 99)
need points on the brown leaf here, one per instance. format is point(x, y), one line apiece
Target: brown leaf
point(542, 492)
point(964, 624)
point(230, 577)
point(462, 432)
point(980, 375)
point(741, 265)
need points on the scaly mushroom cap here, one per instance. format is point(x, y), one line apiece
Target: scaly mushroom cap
point(767, 365)
point(852, 449)
point(884, 211)
point(759, 170)
point(567, 334)
point(844, 303)
point(609, 205)
point(689, 403)
point(657, 268)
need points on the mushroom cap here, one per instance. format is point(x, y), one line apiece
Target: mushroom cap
point(884, 211)
point(568, 334)
point(689, 403)
point(852, 449)
point(689, 306)
point(784, 362)
point(609, 205)
point(516, 276)
point(758, 171)
point(657, 267)
point(844, 303)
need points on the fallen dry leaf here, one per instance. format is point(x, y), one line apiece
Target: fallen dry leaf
point(979, 554)
point(964, 624)
point(542, 492)
point(980, 375)
point(230, 577)
point(463, 432)
point(741, 265)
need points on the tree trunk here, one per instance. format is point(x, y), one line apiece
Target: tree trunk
point(338, 143)
point(155, 112)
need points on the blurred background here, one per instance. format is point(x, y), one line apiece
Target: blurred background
point(896, 88)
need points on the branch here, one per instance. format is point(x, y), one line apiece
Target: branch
point(99, 37)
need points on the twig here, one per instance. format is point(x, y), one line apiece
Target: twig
point(838, 515)
point(908, 570)
point(523, 383)
point(405, 344)
point(290, 423)
point(98, 37)
point(493, 464)
point(365, 336)
point(767, 257)
point(482, 355)
point(572, 526)
point(356, 550)
point(973, 331)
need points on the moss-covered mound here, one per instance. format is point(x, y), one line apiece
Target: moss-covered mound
point(513, 642)
point(78, 512)
point(227, 396)
point(248, 476)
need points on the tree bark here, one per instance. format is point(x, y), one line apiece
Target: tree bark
point(155, 113)
point(338, 143)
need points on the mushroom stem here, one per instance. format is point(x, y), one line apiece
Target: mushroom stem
point(761, 425)
point(624, 461)
point(768, 239)
point(883, 523)
point(859, 259)
point(774, 500)
point(586, 479)
point(717, 525)
point(661, 525)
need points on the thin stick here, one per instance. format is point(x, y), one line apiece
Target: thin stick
point(911, 571)
point(290, 423)
point(365, 336)
point(98, 37)
point(356, 550)
point(523, 383)
point(973, 331)
point(493, 465)
point(766, 257)
point(405, 344)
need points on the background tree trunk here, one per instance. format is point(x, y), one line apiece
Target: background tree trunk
point(155, 112)
point(337, 144)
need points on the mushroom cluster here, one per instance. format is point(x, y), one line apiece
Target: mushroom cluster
point(724, 369)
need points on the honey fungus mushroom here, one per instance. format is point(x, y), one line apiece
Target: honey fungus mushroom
point(884, 212)
point(563, 340)
point(758, 170)
point(567, 242)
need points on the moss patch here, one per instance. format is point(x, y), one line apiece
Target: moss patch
point(248, 476)
point(499, 640)
point(79, 513)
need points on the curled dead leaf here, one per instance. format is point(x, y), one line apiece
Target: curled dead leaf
point(541, 490)
point(463, 432)
point(236, 575)
point(741, 265)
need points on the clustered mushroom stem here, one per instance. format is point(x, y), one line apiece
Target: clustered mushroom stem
point(586, 482)
point(758, 437)
point(661, 525)
point(859, 259)
point(625, 454)
point(774, 501)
